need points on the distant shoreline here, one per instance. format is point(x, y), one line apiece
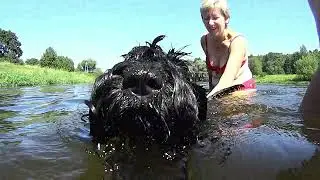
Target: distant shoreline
point(13, 75)
point(283, 79)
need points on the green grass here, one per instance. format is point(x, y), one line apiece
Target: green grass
point(26, 75)
point(280, 79)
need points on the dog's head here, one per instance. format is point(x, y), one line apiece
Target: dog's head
point(149, 95)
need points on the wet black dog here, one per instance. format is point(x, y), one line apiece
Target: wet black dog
point(148, 96)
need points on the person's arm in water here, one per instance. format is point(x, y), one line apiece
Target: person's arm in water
point(237, 53)
point(310, 105)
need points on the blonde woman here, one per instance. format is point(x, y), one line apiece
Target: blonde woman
point(225, 50)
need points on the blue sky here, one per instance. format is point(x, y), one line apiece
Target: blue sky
point(104, 30)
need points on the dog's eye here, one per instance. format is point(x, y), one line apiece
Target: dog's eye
point(154, 83)
point(118, 70)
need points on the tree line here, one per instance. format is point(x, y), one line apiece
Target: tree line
point(302, 62)
point(10, 51)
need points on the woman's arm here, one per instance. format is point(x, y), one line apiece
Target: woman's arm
point(311, 101)
point(202, 42)
point(315, 8)
point(237, 53)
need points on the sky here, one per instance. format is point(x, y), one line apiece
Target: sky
point(103, 30)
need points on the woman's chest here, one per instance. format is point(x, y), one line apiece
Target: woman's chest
point(218, 55)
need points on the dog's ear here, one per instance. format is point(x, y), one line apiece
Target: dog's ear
point(90, 106)
point(200, 94)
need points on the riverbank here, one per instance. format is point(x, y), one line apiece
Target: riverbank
point(280, 79)
point(26, 75)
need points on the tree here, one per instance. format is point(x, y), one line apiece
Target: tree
point(3, 50)
point(13, 45)
point(307, 66)
point(19, 61)
point(255, 65)
point(49, 58)
point(303, 50)
point(273, 63)
point(88, 65)
point(316, 53)
point(200, 65)
point(97, 72)
point(32, 61)
point(64, 63)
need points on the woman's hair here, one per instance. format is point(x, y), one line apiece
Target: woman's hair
point(219, 4)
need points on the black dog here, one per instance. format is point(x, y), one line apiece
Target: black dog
point(149, 96)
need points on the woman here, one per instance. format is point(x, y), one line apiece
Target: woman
point(226, 50)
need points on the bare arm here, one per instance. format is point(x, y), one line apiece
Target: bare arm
point(209, 71)
point(237, 52)
point(311, 100)
point(315, 8)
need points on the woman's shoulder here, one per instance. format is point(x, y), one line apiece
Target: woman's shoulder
point(203, 40)
point(236, 35)
point(236, 39)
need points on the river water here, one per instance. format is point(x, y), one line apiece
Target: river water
point(262, 136)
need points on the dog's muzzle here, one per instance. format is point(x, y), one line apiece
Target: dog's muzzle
point(142, 83)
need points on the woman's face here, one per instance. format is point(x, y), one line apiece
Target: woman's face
point(214, 21)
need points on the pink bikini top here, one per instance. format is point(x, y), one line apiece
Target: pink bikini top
point(217, 69)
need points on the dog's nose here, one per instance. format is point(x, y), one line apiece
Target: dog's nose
point(142, 84)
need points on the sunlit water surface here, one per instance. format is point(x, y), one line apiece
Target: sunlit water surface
point(261, 136)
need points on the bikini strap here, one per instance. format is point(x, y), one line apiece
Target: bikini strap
point(235, 38)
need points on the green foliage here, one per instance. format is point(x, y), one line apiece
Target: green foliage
point(26, 75)
point(9, 59)
point(303, 50)
point(3, 50)
point(5, 59)
point(52, 60)
point(32, 61)
point(198, 69)
point(273, 63)
point(316, 53)
point(19, 61)
point(199, 65)
point(48, 58)
point(90, 64)
point(290, 61)
point(279, 79)
point(97, 72)
point(10, 40)
point(255, 65)
point(65, 63)
point(306, 66)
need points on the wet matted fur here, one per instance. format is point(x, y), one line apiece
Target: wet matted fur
point(148, 96)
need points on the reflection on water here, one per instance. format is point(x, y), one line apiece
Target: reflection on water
point(260, 137)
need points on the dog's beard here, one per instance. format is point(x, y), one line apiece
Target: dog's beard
point(137, 116)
